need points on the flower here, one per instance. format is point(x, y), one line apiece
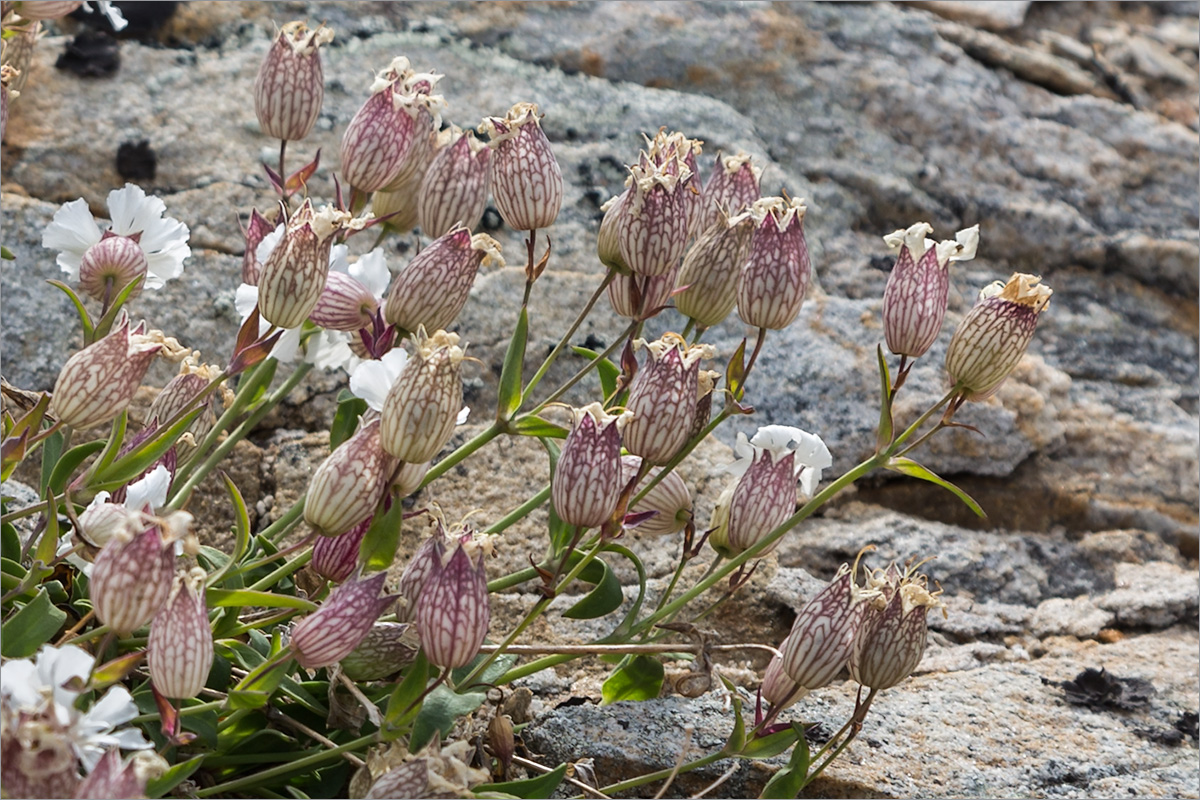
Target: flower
point(293, 275)
point(732, 187)
point(652, 229)
point(428, 558)
point(891, 640)
point(336, 557)
point(421, 408)
point(669, 497)
point(432, 290)
point(290, 86)
point(180, 646)
point(331, 633)
point(711, 270)
point(102, 520)
point(454, 190)
point(914, 301)
point(992, 337)
point(587, 480)
point(44, 694)
point(162, 241)
point(665, 146)
point(348, 485)
point(352, 292)
point(131, 579)
point(527, 183)
point(822, 636)
point(663, 398)
point(776, 275)
point(452, 610)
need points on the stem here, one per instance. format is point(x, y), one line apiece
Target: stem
point(482, 438)
point(921, 420)
point(284, 553)
point(758, 345)
point(282, 525)
point(854, 724)
point(283, 571)
point(520, 512)
point(298, 765)
point(587, 309)
point(663, 774)
point(588, 367)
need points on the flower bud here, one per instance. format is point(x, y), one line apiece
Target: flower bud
point(914, 301)
point(399, 207)
point(777, 688)
point(98, 383)
point(665, 146)
point(652, 230)
point(776, 276)
point(426, 140)
point(290, 85)
point(423, 563)
point(500, 739)
point(131, 580)
point(662, 398)
point(179, 651)
point(101, 521)
point(346, 304)
point(669, 497)
point(994, 334)
point(378, 139)
point(608, 245)
point(731, 189)
point(453, 611)
point(109, 778)
point(294, 275)
point(764, 495)
point(408, 478)
point(180, 393)
point(336, 557)
point(384, 651)
point(454, 190)
point(258, 229)
point(348, 485)
point(711, 268)
point(633, 296)
point(823, 634)
point(110, 265)
point(587, 480)
point(421, 408)
point(433, 288)
point(706, 384)
point(332, 632)
point(18, 53)
point(891, 640)
point(527, 183)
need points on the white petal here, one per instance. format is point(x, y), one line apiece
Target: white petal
point(100, 498)
point(810, 478)
point(372, 380)
point(61, 665)
point(339, 259)
point(132, 211)
point(329, 349)
point(151, 490)
point(776, 438)
point(114, 708)
point(115, 18)
point(462, 416)
point(19, 681)
point(72, 231)
point(89, 754)
point(285, 349)
point(245, 299)
point(263, 251)
point(372, 271)
point(130, 739)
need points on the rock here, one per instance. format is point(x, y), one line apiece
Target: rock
point(1152, 595)
point(994, 15)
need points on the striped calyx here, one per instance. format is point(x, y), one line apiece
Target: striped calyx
point(777, 273)
point(665, 146)
point(290, 86)
point(453, 611)
point(652, 229)
point(180, 647)
point(454, 190)
point(891, 641)
point(131, 580)
point(587, 479)
point(294, 275)
point(527, 183)
point(992, 337)
point(110, 265)
point(823, 634)
point(732, 187)
point(669, 497)
point(779, 690)
point(331, 633)
point(422, 406)
point(386, 648)
point(347, 486)
point(711, 270)
point(335, 558)
point(914, 301)
point(663, 397)
point(432, 290)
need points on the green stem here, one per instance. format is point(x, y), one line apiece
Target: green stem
point(512, 579)
point(183, 712)
point(482, 438)
point(921, 420)
point(279, 527)
point(854, 724)
point(299, 765)
point(724, 414)
point(282, 572)
point(241, 399)
point(688, 328)
point(588, 367)
point(662, 774)
point(521, 511)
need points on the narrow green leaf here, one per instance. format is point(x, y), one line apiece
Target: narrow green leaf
point(345, 421)
point(787, 782)
point(66, 465)
point(603, 599)
point(89, 329)
point(218, 598)
point(378, 548)
point(105, 323)
point(536, 426)
point(737, 737)
point(135, 462)
point(906, 466)
point(47, 546)
point(735, 372)
point(403, 704)
point(241, 526)
point(639, 678)
point(621, 632)
point(157, 787)
point(248, 699)
point(52, 449)
point(118, 669)
point(542, 786)
point(500, 665)
point(769, 746)
point(10, 541)
point(885, 433)
point(606, 370)
point(31, 627)
point(116, 437)
point(7, 254)
point(509, 399)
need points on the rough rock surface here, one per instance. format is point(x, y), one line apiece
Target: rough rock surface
point(1078, 167)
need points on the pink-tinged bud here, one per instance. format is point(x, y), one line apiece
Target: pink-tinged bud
point(378, 139)
point(290, 85)
point(665, 146)
point(823, 634)
point(455, 188)
point(400, 207)
point(407, 780)
point(652, 230)
point(179, 651)
point(891, 640)
point(994, 334)
point(408, 478)
point(527, 183)
point(131, 580)
point(424, 562)
point(764, 496)
point(345, 304)
point(433, 288)
point(421, 408)
point(384, 651)
point(350, 482)
point(98, 383)
point(777, 688)
point(45, 9)
point(608, 245)
point(453, 612)
point(669, 497)
point(110, 265)
point(587, 480)
point(331, 633)
point(421, 152)
point(336, 557)
point(914, 302)
point(256, 230)
point(662, 398)
point(110, 778)
point(711, 268)
point(294, 275)
point(180, 394)
point(732, 187)
point(776, 276)
point(629, 299)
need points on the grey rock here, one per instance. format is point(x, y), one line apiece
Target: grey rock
point(1153, 595)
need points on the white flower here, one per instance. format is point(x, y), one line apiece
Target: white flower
point(115, 18)
point(372, 380)
point(163, 239)
point(811, 457)
point(371, 271)
point(102, 520)
point(41, 687)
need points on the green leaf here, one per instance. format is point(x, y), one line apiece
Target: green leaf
point(10, 541)
point(218, 598)
point(787, 782)
point(510, 375)
point(52, 448)
point(885, 433)
point(345, 421)
point(623, 629)
point(378, 548)
point(137, 461)
point(157, 787)
point(606, 370)
point(438, 713)
point(737, 737)
point(536, 426)
point(105, 323)
point(66, 465)
point(906, 466)
point(735, 372)
point(540, 787)
point(241, 526)
point(768, 746)
point(495, 670)
point(47, 546)
point(5, 253)
point(639, 678)
point(89, 329)
point(404, 702)
point(31, 627)
point(603, 599)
